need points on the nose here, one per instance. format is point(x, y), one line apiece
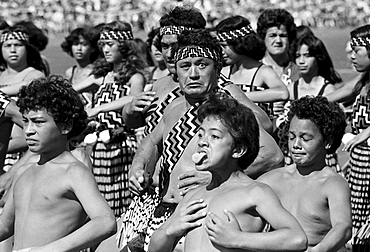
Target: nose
point(203, 142)
point(28, 129)
point(301, 59)
point(353, 55)
point(296, 143)
point(12, 48)
point(194, 73)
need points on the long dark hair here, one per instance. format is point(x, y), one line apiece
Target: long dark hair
point(317, 49)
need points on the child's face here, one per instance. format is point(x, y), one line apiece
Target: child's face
point(14, 52)
point(215, 145)
point(81, 49)
point(360, 58)
point(307, 63)
point(229, 56)
point(306, 143)
point(41, 131)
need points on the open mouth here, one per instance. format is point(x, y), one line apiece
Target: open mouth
point(199, 157)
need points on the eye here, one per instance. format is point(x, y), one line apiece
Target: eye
point(291, 136)
point(297, 55)
point(213, 136)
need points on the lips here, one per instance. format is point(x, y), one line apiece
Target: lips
point(199, 157)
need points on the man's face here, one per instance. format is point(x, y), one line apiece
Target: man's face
point(197, 76)
point(167, 42)
point(276, 40)
point(41, 131)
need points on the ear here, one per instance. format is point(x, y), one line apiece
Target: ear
point(328, 145)
point(66, 128)
point(239, 151)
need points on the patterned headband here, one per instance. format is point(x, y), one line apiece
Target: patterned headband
point(18, 35)
point(173, 30)
point(360, 41)
point(234, 34)
point(116, 35)
point(196, 51)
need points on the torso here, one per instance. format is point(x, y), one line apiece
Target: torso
point(226, 197)
point(26, 74)
point(308, 203)
point(37, 192)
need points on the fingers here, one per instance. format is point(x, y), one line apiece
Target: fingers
point(136, 179)
point(230, 216)
point(187, 189)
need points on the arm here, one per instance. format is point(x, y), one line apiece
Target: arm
point(359, 138)
point(144, 155)
point(13, 89)
point(287, 234)
point(102, 223)
point(346, 92)
point(262, 117)
point(185, 217)
point(276, 89)
point(89, 84)
point(269, 157)
point(338, 194)
point(17, 142)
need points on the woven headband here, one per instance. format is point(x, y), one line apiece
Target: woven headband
point(234, 34)
point(116, 35)
point(196, 51)
point(360, 41)
point(18, 35)
point(173, 30)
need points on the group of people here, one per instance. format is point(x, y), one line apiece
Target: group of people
point(139, 149)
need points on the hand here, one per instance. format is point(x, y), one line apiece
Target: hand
point(138, 180)
point(222, 232)
point(192, 179)
point(141, 101)
point(187, 217)
point(363, 136)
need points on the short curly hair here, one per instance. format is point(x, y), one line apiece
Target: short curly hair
point(56, 95)
point(238, 119)
point(251, 45)
point(199, 37)
point(327, 116)
point(90, 34)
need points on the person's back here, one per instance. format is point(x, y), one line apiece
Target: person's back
point(51, 202)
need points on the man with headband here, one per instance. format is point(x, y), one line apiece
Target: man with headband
point(175, 132)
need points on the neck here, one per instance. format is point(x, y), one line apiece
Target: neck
point(83, 63)
point(161, 65)
point(16, 69)
point(311, 169)
point(280, 59)
point(47, 156)
point(222, 174)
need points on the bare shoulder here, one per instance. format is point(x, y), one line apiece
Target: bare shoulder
point(276, 174)
point(162, 84)
point(332, 179)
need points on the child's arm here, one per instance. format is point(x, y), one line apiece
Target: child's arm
point(185, 217)
point(287, 234)
point(88, 84)
point(338, 194)
point(102, 223)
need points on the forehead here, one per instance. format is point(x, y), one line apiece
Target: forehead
point(303, 126)
point(276, 29)
point(195, 60)
point(303, 47)
point(213, 122)
point(37, 113)
point(169, 39)
point(12, 41)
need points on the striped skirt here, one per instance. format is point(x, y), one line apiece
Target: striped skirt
point(359, 182)
point(111, 163)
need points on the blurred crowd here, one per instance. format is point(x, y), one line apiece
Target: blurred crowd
point(65, 15)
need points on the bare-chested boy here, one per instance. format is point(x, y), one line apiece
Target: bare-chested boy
point(230, 212)
point(51, 200)
point(315, 194)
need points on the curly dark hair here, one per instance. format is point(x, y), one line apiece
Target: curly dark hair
point(33, 55)
point(251, 45)
point(276, 18)
point(90, 34)
point(56, 95)
point(132, 62)
point(317, 49)
point(200, 37)
point(238, 119)
point(327, 116)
